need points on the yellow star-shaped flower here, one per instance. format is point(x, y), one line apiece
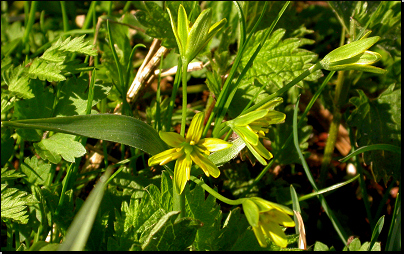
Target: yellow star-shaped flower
point(187, 150)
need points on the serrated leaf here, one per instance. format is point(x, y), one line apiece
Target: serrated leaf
point(278, 62)
point(37, 171)
point(379, 122)
point(18, 82)
point(60, 145)
point(10, 174)
point(14, 203)
point(45, 71)
point(58, 52)
point(171, 235)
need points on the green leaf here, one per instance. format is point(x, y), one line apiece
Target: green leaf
point(208, 212)
point(38, 107)
point(14, 203)
point(42, 70)
point(61, 49)
point(116, 128)
point(74, 96)
point(376, 232)
point(223, 156)
point(10, 174)
point(60, 145)
point(277, 63)
point(168, 235)
point(379, 122)
point(17, 82)
point(37, 171)
point(79, 230)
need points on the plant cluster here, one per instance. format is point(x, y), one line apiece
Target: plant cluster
point(72, 91)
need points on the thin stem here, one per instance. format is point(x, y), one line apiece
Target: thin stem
point(28, 28)
point(64, 16)
point(215, 194)
point(184, 95)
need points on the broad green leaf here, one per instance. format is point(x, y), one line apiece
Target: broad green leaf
point(110, 127)
point(171, 235)
point(74, 96)
point(77, 234)
point(60, 145)
point(379, 122)
point(37, 171)
point(14, 203)
point(221, 157)
point(319, 246)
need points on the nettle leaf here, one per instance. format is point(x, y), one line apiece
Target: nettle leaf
point(60, 145)
point(37, 171)
point(379, 122)
point(14, 203)
point(278, 134)
point(74, 96)
point(208, 212)
point(17, 82)
point(45, 71)
point(278, 62)
point(171, 235)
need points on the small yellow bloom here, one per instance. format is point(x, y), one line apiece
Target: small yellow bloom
point(253, 125)
point(265, 217)
point(187, 150)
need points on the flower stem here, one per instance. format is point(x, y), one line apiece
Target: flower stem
point(184, 95)
point(215, 194)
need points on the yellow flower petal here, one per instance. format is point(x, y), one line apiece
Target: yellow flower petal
point(205, 164)
point(165, 157)
point(251, 212)
point(265, 205)
point(256, 154)
point(182, 172)
point(249, 117)
point(275, 232)
point(261, 150)
point(280, 218)
point(247, 134)
point(171, 138)
point(214, 144)
point(259, 234)
point(196, 128)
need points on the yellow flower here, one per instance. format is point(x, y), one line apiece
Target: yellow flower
point(265, 217)
point(187, 150)
point(253, 125)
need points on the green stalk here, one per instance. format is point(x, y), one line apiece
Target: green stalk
point(184, 95)
point(90, 13)
point(64, 16)
point(28, 28)
point(215, 194)
point(158, 98)
point(172, 98)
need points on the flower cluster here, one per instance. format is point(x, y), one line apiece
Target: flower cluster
point(253, 125)
point(265, 217)
point(187, 150)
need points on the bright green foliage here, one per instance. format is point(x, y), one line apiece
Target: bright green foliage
point(60, 145)
point(278, 62)
point(379, 122)
point(17, 82)
point(14, 201)
point(37, 172)
point(58, 52)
